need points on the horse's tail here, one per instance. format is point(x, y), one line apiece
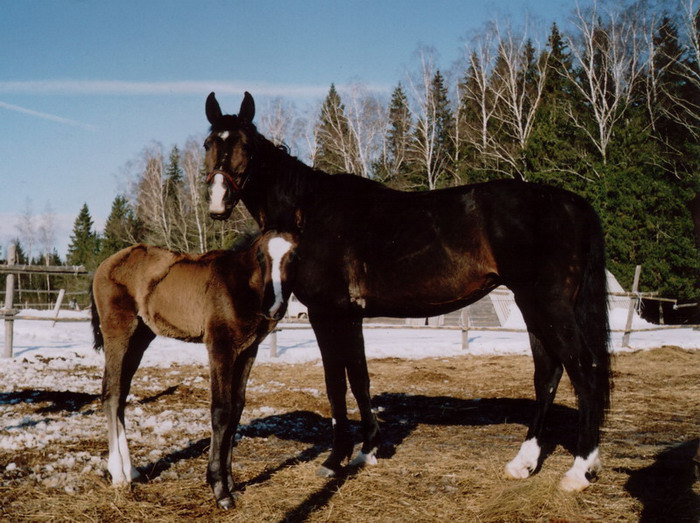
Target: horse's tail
point(96, 330)
point(591, 310)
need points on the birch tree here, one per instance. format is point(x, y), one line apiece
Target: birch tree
point(607, 53)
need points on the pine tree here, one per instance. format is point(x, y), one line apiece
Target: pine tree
point(121, 228)
point(335, 145)
point(84, 246)
point(443, 127)
point(394, 165)
point(173, 175)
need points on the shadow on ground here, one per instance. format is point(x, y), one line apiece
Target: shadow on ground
point(665, 487)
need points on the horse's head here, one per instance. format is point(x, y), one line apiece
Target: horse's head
point(279, 252)
point(228, 153)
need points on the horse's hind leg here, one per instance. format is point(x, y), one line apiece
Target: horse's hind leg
point(123, 351)
point(553, 320)
point(548, 371)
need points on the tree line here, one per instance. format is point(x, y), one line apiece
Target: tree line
point(608, 108)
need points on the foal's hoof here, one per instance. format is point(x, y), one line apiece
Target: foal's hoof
point(362, 459)
point(226, 503)
point(325, 472)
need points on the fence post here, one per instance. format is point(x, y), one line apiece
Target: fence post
point(9, 299)
point(57, 307)
point(465, 328)
point(273, 343)
point(633, 304)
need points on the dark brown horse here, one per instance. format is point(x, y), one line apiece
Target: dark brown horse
point(366, 250)
point(230, 300)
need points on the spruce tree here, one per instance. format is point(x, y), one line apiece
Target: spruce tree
point(443, 127)
point(335, 144)
point(121, 228)
point(395, 163)
point(84, 245)
point(173, 175)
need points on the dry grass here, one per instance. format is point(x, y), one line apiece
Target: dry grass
point(449, 425)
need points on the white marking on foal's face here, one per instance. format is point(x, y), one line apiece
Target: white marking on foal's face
point(277, 248)
point(217, 205)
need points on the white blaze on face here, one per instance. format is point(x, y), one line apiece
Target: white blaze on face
point(277, 247)
point(217, 194)
point(224, 135)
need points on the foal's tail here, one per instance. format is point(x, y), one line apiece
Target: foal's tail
point(96, 330)
point(591, 310)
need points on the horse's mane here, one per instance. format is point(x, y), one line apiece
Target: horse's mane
point(297, 177)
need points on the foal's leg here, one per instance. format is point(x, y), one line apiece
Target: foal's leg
point(123, 352)
point(342, 349)
point(548, 372)
point(229, 376)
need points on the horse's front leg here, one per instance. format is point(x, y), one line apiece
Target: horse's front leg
point(222, 363)
point(342, 349)
point(241, 372)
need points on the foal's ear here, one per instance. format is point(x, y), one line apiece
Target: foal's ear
point(213, 109)
point(247, 111)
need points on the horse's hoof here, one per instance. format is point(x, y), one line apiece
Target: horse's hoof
point(573, 483)
point(363, 459)
point(226, 503)
point(525, 463)
point(325, 472)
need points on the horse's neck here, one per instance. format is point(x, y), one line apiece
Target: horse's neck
point(284, 180)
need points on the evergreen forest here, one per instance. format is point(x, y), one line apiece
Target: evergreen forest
point(606, 104)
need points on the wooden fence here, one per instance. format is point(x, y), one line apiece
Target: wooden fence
point(9, 313)
point(465, 326)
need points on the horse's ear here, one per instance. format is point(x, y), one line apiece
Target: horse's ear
point(213, 109)
point(247, 111)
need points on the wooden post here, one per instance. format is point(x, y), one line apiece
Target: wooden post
point(273, 343)
point(57, 307)
point(9, 299)
point(465, 328)
point(633, 304)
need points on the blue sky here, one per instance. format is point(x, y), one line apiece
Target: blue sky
point(86, 85)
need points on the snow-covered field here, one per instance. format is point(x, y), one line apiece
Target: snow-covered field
point(58, 364)
point(297, 345)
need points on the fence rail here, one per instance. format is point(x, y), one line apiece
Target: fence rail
point(501, 302)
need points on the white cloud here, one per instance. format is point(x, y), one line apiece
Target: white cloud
point(105, 87)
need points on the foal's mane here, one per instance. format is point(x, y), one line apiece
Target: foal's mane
point(244, 241)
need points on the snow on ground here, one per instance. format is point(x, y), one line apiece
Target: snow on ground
point(297, 345)
point(41, 348)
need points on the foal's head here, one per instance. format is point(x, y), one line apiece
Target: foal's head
point(228, 153)
point(278, 251)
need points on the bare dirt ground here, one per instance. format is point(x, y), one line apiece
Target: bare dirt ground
point(450, 425)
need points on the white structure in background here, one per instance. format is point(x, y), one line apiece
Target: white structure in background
point(493, 310)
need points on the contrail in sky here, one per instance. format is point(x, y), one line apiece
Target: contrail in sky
point(47, 116)
point(116, 87)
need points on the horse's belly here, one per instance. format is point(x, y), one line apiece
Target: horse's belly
point(175, 327)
